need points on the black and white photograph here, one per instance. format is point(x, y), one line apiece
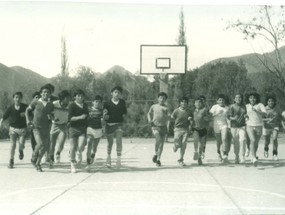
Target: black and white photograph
point(142, 107)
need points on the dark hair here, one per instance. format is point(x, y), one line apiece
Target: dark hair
point(51, 87)
point(98, 98)
point(162, 94)
point(37, 93)
point(78, 92)
point(271, 97)
point(199, 98)
point(222, 96)
point(63, 94)
point(240, 96)
point(255, 94)
point(20, 94)
point(120, 89)
point(184, 98)
point(45, 87)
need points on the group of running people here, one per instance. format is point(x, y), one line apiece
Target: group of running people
point(53, 119)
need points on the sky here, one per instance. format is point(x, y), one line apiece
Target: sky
point(101, 35)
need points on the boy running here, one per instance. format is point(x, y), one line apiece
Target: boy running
point(199, 126)
point(94, 129)
point(77, 115)
point(236, 115)
point(158, 116)
point(58, 130)
point(43, 113)
point(181, 116)
point(116, 109)
point(18, 126)
point(219, 114)
point(271, 125)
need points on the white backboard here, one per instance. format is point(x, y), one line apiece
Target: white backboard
point(156, 59)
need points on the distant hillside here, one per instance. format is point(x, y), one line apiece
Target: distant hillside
point(17, 78)
point(251, 61)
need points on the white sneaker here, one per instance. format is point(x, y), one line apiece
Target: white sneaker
point(118, 163)
point(266, 154)
point(108, 161)
point(275, 158)
point(242, 160)
point(79, 157)
point(254, 162)
point(72, 168)
point(203, 155)
point(57, 158)
point(246, 152)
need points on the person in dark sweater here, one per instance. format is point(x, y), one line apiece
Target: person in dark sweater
point(77, 116)
point(18, 127)
point(116, 110)
point(43, 113)
point(94, 129)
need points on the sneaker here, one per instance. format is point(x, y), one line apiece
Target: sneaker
point(266, 154)
point(79, 157)
point(154, 159)
point(175, 148)
point(88, 167)
point(195, 156)
point(275, 158)
point(220, 157)
point(200, 161)
point(181, 163)
point(11, 164)
point(72, 168)
point(247, 152)
point(237, 160)
point(225, 159)
point(57, 158)
point(21, 154)
point(92, 158)
point(39, 168)
point(108, 161)
point(203, 155)
point(254, 162)
point(242, 160)
point(158, 163)
point(118, 163)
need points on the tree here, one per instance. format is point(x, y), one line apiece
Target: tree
point(181, 40)
point(269, 25)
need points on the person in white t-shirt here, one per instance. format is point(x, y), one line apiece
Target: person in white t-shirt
point(219, 113)
point(254, 123)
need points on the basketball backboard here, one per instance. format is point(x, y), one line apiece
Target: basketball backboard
point(157, 59)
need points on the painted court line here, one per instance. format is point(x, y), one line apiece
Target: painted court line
point(143, 182)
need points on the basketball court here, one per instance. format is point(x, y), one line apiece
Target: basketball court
point(140, 187)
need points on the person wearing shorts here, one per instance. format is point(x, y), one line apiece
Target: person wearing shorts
point(59, 126)
point(181, 117)
point(271, 125)
point(199, 127)
point(219, 114)
point(158, 116)
point(94, 129)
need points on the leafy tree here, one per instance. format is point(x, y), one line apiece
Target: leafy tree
point(269, 25)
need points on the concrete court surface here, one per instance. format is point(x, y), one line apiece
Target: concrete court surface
point(140, 187)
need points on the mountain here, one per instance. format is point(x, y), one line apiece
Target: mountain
point(251, 61)
point(17, 78)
